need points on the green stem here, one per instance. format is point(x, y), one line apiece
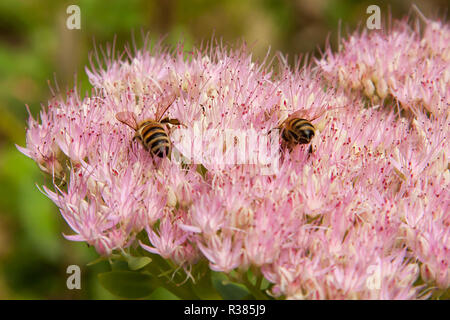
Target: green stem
point(255, 291)
point(158, 267)
point(258, 282)
point(179, 291)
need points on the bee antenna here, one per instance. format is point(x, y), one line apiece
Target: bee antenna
point(268, 132)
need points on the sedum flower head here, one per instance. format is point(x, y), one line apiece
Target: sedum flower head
point(362, 216)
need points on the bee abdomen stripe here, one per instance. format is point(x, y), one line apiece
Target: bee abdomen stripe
point(157, 136)
point(293, 134)
point(285, 135)
point(305, 126)
point(296, 121)
point(301, 123)
point(149, 128)
point(160, 147)
point(160, 143)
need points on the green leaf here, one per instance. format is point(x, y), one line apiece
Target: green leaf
point(119, 265)
point(204, 287)
point(136, 263)
point(228, 290)
point(162, 293)
point(127, 284)
point(265, 284)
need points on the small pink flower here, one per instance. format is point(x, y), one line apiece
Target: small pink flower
point(170, 242)
point(223, 253)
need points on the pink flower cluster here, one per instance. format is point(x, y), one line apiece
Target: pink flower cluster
point(410, 65)
point(364, 216)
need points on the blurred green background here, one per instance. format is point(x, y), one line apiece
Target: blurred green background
point(36, 46)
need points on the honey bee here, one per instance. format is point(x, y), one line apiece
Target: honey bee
point(298, 130)
point(151, 133)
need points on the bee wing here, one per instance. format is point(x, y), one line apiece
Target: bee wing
point(312, 114)
point(162, 111)
point(302, 113)
point(128, 118)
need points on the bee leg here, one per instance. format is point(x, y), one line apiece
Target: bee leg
point(136, 136)
point(310, 151)
point(174, 122)
point(276, 128)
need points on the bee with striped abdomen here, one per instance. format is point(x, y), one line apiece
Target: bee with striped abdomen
point(298, 130)
point(152, 133)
